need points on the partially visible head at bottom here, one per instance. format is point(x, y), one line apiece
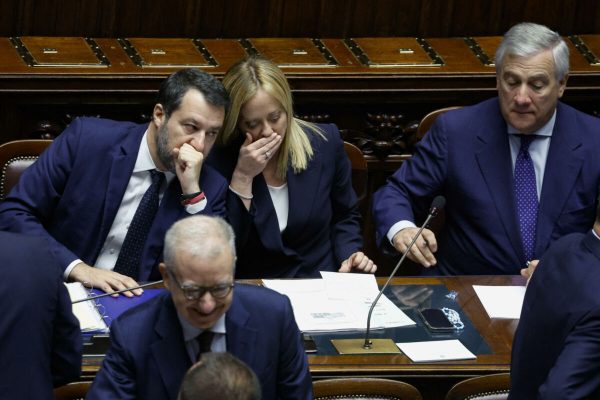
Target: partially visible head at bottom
point(220, 376)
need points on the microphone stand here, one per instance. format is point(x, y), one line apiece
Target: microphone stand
point(384, 346)
point(368, 345)
point(116, 292)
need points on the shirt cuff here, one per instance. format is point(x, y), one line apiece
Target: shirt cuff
point(70, 268)
point(397, 227)
point(197, 207)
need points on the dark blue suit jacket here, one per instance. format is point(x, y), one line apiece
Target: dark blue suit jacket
point(556, 350)
point(466, 157)
point(147, 358)
point(73, 192)
point(323, 226)
point(40, 338)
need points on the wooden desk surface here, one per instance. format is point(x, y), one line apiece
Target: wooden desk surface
point(498, 333)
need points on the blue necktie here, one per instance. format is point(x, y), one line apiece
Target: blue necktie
point(525, 188)
point(128, 262)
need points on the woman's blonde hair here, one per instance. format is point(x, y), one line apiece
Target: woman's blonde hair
point(243, 81)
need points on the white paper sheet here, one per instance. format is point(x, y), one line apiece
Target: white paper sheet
point(360, 290)
point(344, 286)
point(86, 312)
point(338, 302)
point(501, 301)
point(438, 350)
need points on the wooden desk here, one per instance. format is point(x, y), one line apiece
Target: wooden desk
point(433, 379)
point(497, 332)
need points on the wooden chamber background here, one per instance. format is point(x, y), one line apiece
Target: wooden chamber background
point(291, 18)
point(373, 67)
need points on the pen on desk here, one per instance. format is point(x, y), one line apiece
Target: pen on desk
point(117, 292)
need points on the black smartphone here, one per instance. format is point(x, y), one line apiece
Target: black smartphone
point(309, 344)
point(436, 320)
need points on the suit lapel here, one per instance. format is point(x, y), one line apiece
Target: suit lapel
point(168, 351)
point(240, 336)
point(265, 215)
point(562, 167)
point(493, 157)
point(302, 189)
point(301, 194)
point(123, 161)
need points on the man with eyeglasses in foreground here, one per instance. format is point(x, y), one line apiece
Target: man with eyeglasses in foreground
point(153, 345)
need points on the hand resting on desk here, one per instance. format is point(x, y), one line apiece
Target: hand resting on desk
point(358, 262)
point(103, 279)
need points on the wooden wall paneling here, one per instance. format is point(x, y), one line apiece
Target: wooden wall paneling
point(335, 18)
point(299, 18)
point(485, 18)
point(556, 14)
point(290, 18)
point(252, 19)
point(35, 18)
point(586, 18)
point(10, 19)
point(380, 17)
point(138, 18)
point(435, 18)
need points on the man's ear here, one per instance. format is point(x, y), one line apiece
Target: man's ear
point(162, 268)
point(562, 85)
point(158, 115)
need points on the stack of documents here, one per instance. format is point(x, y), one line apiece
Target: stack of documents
point(339, 302)
point(87, 313)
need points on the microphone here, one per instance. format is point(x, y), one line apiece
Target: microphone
point(117, 292)
point(437, 204)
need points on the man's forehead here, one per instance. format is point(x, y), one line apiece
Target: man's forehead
point(542, 63)
point(221, 263)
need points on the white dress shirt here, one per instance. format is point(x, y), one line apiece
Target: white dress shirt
point(281, 202)
point(139, 182)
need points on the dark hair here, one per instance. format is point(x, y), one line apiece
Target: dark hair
point(178, 83)
point(220, 376)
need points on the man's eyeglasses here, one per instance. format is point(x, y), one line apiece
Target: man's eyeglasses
point(195, 292)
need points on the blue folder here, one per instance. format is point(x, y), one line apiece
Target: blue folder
point(111, 307)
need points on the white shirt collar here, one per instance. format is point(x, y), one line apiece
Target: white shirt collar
point(190, 332)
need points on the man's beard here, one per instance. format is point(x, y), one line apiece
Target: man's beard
point(164, 151)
